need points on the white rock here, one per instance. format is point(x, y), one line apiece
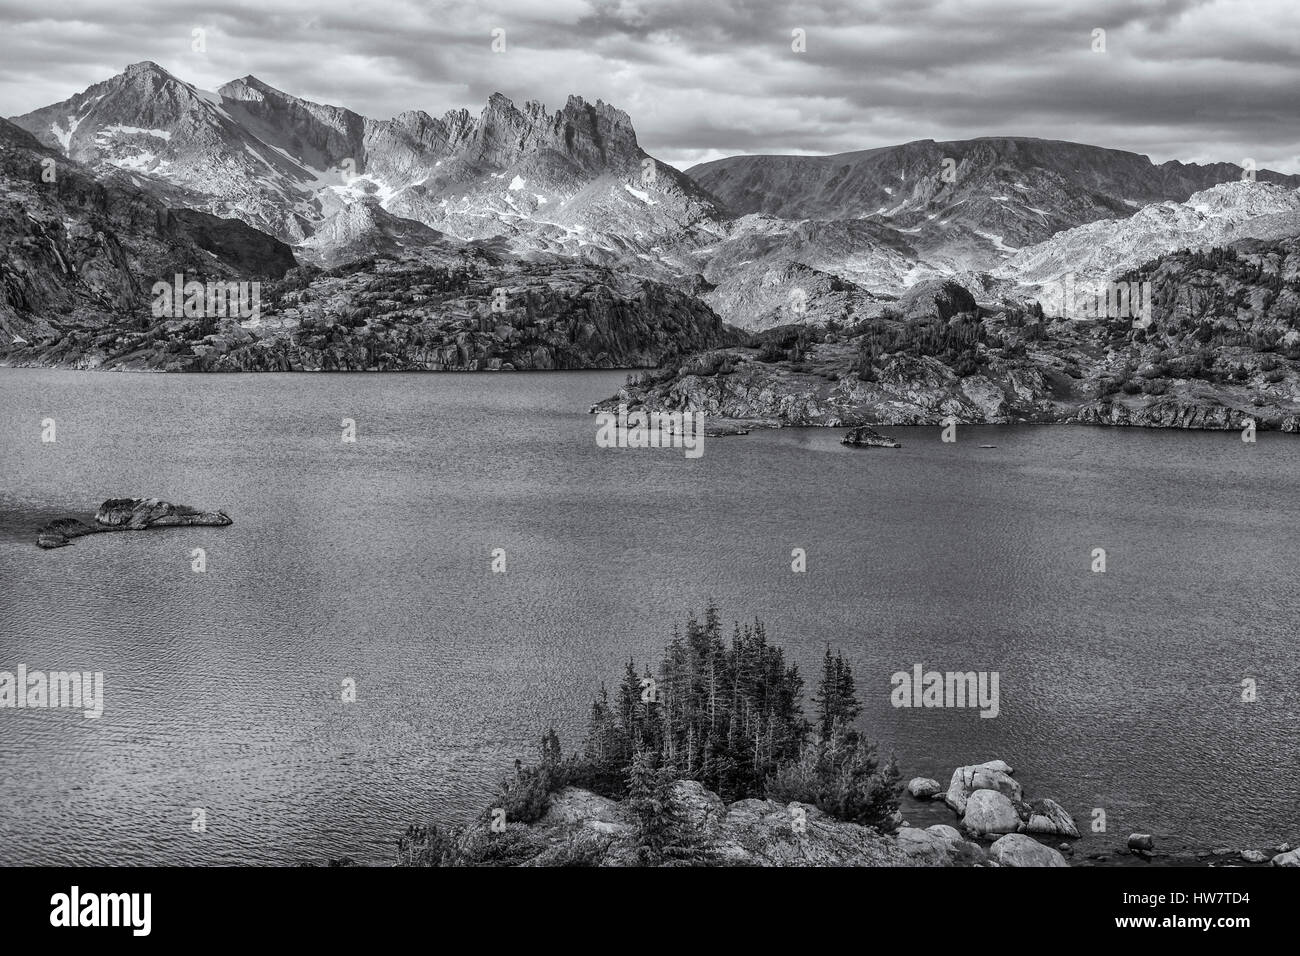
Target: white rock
point(1016, 849)
point(951, 834)
point(994, 775)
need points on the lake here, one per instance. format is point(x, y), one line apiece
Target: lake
point(372, 561)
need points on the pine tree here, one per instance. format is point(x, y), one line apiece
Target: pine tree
point(650, 801)
point(846, 691)
point(825, 696)
point(552, 754)
point(836, 696)
point(627, 712)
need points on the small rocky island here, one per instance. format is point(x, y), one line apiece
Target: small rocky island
point(129, 514)
point(864, 436)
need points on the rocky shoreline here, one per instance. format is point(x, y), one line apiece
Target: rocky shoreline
point(937, 356)
point(990, 805)
point(995, 827)
point(773, 398)
point(128, 514)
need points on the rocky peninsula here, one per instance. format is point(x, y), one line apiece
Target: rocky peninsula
point(938, 354)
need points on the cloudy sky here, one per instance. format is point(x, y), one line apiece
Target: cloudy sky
point(1200, 80)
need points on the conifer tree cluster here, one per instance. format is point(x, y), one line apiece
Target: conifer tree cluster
point(727, 712)
point(723, 712)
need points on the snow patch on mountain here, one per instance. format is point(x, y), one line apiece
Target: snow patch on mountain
point(118, 128)
point(65, 136)
point(996, 240)
point(143, 161)
point(641, 195)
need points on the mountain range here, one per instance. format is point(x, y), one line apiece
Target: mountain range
point(741, 232)
point(607, 256)
point(292, 168)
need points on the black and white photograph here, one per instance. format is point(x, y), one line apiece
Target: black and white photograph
point(651, 434)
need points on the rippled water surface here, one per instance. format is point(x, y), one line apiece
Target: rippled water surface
point(372, 561)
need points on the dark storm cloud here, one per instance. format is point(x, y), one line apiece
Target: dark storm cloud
point(1188, 79)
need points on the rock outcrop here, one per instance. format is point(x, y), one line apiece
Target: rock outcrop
point(582, 828)
point(1207, 415)
point(935, 298)
point(129, 514)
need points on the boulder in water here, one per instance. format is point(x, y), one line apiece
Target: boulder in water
point(989, 812)
point(1016, 849)
point(1142, 843)
point(923, 788)
point(1048, 817)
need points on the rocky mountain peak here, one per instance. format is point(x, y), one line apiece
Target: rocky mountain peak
point(246, 88)
point(413, 119)
point(145, 66)
point(144, 80)
point(607, 113)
